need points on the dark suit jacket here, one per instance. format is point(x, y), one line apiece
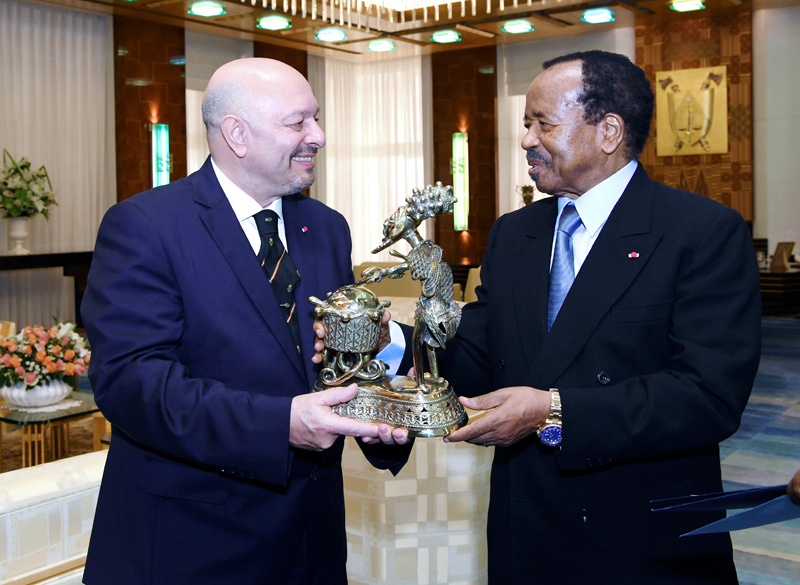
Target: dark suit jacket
point(654, 354)
point(195, 367)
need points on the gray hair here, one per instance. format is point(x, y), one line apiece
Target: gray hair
point(221, 100)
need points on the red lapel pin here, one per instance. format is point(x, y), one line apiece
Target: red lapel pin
point(305, 229)
point(633, 255)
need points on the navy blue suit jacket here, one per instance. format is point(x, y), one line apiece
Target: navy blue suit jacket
point(654, 351)
point(196, 369)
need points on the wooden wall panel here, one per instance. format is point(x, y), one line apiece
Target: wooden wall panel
point(707, 42)
point(465, 100)
point(150, 88)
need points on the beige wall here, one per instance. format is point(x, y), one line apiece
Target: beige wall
point(776, 124)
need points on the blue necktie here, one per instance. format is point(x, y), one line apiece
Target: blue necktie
point(562, 272)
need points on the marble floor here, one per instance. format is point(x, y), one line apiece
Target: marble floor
point(766, 451)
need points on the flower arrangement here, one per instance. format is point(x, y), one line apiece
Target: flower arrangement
point(24, 192)
point(37, 355)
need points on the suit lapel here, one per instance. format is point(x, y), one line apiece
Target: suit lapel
point(529, 289)
point(224, 229)
point(623, 247)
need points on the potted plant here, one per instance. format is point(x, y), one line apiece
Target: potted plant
point(24, 193)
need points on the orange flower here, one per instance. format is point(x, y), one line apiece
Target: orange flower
point(69, 370)
point(50, 367)
point(15, 361)
point(69, 354)
point(40, 355)
point(56, 349)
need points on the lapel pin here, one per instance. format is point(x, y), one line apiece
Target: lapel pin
point(633, 255)
point(305, 229)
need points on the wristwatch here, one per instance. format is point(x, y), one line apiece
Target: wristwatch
point(550, 431)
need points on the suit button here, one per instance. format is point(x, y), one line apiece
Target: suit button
point(603, 378)
point(584, 515)
point(502, 363)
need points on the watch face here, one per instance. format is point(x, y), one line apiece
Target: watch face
point(550, 435)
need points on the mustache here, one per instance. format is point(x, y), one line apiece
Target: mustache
point(533, 154)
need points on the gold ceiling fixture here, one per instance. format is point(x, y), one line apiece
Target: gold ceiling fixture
point(375, 14)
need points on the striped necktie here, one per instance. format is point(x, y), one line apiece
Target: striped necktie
point(279, 268)
point(562, 272)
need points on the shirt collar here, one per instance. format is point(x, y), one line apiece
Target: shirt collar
point(243, 205)
point(596, 204)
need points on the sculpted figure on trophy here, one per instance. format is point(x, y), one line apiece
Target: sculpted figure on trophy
point(424, 404)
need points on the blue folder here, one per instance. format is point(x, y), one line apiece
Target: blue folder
point(767, 505)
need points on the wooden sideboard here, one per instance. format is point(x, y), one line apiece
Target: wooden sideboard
point(780, 293)
point(75, 264)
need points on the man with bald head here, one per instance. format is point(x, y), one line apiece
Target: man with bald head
point(222, 467)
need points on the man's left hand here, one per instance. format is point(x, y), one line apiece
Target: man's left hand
point(388, 435)
point(512, 414)
point(319, 331)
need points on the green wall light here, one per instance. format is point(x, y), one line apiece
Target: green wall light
point(460, 168)
point(162, 164)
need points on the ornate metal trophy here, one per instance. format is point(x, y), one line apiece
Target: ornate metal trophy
point(424, 404)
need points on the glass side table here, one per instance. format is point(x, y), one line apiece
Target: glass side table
point(51, 427)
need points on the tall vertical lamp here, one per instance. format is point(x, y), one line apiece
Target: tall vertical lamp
point(160, 154)
point(460, 168)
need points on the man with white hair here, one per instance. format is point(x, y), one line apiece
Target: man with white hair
point(222, 467)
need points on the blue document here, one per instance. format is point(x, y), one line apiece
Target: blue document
point(767, 506)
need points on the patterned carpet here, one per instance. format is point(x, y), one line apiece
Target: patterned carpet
point(766, 451)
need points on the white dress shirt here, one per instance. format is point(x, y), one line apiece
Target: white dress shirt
point(594, 207)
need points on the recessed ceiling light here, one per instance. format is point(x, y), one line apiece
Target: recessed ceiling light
point(331, 35)
point(381, 45)
point(598, 16)
point(516, 27)
point(446, 36)
point(207, 8)
point(687, 5)
point(274, 22)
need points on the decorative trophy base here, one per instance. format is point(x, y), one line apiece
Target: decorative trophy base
point(398, 401)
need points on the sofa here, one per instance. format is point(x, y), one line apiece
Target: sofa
point(46, 515)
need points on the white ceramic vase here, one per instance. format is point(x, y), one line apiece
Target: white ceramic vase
point(43, 395)
point(17, 233)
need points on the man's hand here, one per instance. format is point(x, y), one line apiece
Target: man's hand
point(512, 414)
point(319, 330)
point(313, 425)
point(793, 489)
point(319, 343)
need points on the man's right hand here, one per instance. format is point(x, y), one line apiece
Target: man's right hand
point(793, 489)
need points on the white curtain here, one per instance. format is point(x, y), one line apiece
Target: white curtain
point(204, 55)
point(56, 109)
point(196, 143)
point(376, 144)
